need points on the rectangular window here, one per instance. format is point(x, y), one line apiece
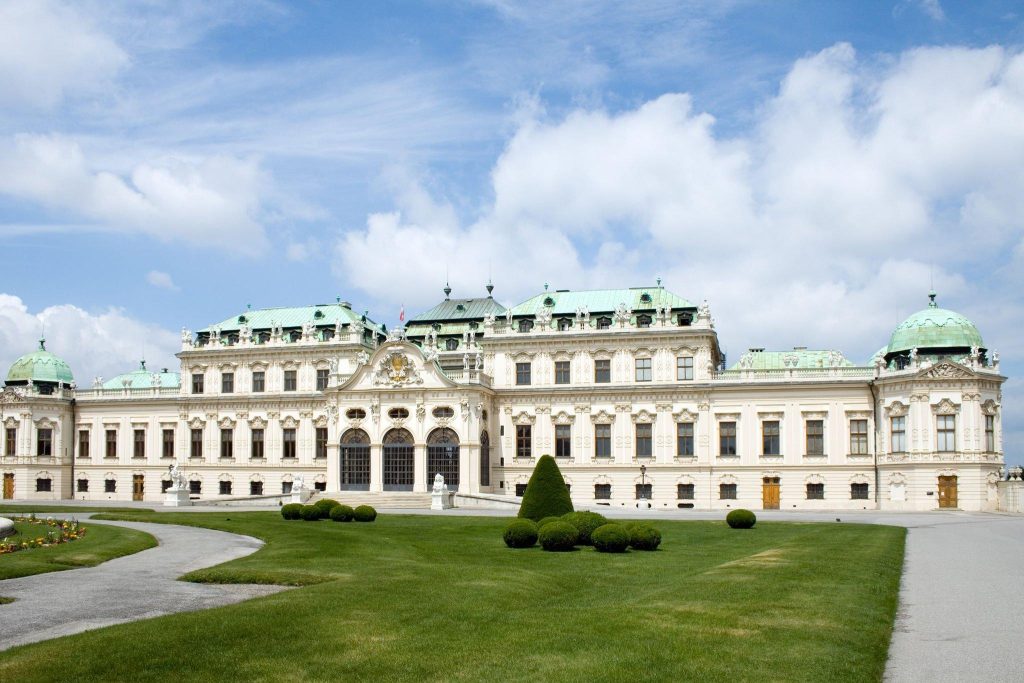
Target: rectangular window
point(110, 486)
point(602, 371)
point(602, 491)
point(227, 443)
point(259, 378)
point(858, 437)
point(563, 441)
point(257, 444)
point(522, 373)
point(197, 383)
point(321, 378)
point(290, 381)
point(815, 436)
point(225, 488)
point(196, 445)
point(684, 367)
point(727, 491)
point(11, 441)
point(858, 491)
point(165, 485)
point(321, 442)
point(44, 485)
point(815, 492)
point(520, 490)
point(770, 438)
point(727, 438)
point(643, 369)
point(286, 487)
point(255, 488)
point(289, 443)
point(82, 486)
point(898, 434)
point(195, 487)
point(684, 439)
point(685, 491)
point(139, 443)
point(945, 430)
point(227, 383)
point(524, 441)
point(111, 451)
point(44, 442)
point(644, 440)
point(83, 443)
point(990, 433)
point(602, 441)
point(561, 372)
point(168, 444)
point(643, 492)
point(319, 485)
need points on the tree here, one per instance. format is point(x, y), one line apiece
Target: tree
point(546, 494)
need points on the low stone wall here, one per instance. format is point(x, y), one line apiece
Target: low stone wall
point(1011, 495)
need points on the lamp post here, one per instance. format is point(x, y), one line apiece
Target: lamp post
point(643, 482)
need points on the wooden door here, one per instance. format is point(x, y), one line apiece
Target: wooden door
point(770, 493)
point(947, 492)
point(8, 486)
point(138, 486)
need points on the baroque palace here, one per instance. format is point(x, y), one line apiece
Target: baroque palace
point(627, 389)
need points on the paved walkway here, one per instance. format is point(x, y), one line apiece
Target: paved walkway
point(128, 588)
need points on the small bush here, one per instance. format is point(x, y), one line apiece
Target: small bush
point(644, 537)
point(310, 513)
point(546, 493)
point(558, 536)
point(610, 538)
point(364, 513)
point(341, 513)
point(741, 519)
point(326, 505)
point(291, 510)
point(585, 523)
point(547, 520)
point(521, 533)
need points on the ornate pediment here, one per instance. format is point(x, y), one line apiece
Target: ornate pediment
point(257, 422)
point(197, 423)
point(643, 417)
point(563, 418)
point(289, 422)
point(990, 407)
point(685, 415)
point(396, 365)
point(320, 421)
point(12, 395)
point(602, 417)
point(523, 418)
point(896, 409)
point(945, 407)
point(946, 370)
point(226, 423)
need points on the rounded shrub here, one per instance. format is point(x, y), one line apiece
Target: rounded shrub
point(364, 513)
point(741, 519)
point(546, 493)
point(558, 536)
point(341, 513)
point(644, 537)
point(326, 505)
point(520, 533)
point(291, 510)
point(547, 520)
point(585, 523)
point(310, 513)
point(610, 538)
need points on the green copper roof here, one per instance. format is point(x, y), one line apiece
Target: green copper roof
point(261, 319)
point(565, 302)
point(935, 328)
point(776, 360)
point(451, 310)
point(40, 366)
point(143, 379)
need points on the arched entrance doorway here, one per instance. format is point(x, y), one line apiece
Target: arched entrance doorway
point(485, 459)
point(443, 456)
point(355, 461)
point(398, 460)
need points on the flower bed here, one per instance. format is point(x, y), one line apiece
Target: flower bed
point(53, 532)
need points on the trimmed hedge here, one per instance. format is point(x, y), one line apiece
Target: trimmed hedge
point(342, 513)
point(546, 493)
point(585, 523)
point(364, 513)
point(291, 510)
point(520, 533)
point(326, 505)
point(558, 537)
point(310, 513)
point(741, 519)
point(610, 538)
point(547, 520)
point(644, 537)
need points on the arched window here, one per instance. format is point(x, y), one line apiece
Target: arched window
point(398, 460)
point(485, 459)
point(525, 325)
point(643, 321)
point(355, 460)
point(604, 322)
point(564, 324)
point(451, 344)
point(443, 456)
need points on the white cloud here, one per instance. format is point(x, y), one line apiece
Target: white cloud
point(162, 280)
point(933, 9)
point(49, 50)
point(210, 202)
point(106, 343)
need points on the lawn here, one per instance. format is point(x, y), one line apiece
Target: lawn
point(441, 598)
point(100, 543)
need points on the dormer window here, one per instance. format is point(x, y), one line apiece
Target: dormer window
point(295, 335)
point(460, 307)
point(564, 324)
point(525, 325)
point(604, 322)
point(645, 298)
point(318, 315)
point(684, 319)
point(451, 344)
point(643, 321)
point(548, 301)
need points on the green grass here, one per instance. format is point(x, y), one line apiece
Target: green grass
point(441, 599)
point(101, 543)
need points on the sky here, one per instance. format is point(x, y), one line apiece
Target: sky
point(809, 168)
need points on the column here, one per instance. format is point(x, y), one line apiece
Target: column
point(376, 468)
point(419, 468)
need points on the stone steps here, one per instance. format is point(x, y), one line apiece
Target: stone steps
point(380, 500)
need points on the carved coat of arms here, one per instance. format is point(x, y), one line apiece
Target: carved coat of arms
point(396, 369)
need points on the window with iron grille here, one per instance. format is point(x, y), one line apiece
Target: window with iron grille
point(815, 492)
point(643, 321)
point(398, 460)
point(563, 441)
point(685, 491)
point(168, 443)
point(227, 443)
point(82, 486)
point(727, 438)
point(321, 442)
point(83, 443)
point(523, 373)
point(451, 344)
point(520, 490)
point(684, 439)
point(643, 369)
point(815, 437)
point(859, 491)
point(602, 440)
point(44, 485)
point(684, 367)
point(644, 440)
point(197, 383)
point(602, 491)
point(443, 457)
point(196, 444)
point(525, 325)
point(290, 380)
point(858, 437)
point(898, 434)
point(288, 444)
point(945, 431)
point(286, 487)
point(561, 372)
point(524, 441)
point(195, 487)
point(255, 488)
point(139, 443)
point(355, 460)
point(770, 438)
point(259, 379)
point(485, 459)
point(227, 383)
point(990, 433)
point(111, 443)
point(643, 491)
point(109, 486)
point(225, 488)
point(322, 375)
point(602, 371)
point(44, 442)
point(257, 444)
point(727, 491)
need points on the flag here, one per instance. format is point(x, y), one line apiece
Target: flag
point(401, 314)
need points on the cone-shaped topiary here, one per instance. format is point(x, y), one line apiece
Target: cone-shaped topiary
point(546, 494)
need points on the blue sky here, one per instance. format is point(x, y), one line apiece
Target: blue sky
point(807, 167)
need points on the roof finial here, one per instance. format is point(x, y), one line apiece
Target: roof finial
point(447, 291)
point(490, 288)
point(545, 286)
point(142, 364)
point(659, 281)
point(42, 342)
point(931, 297)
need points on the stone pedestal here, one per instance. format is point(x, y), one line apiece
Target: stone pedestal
point(441, 500)
point(175, 497)
point(300, 496)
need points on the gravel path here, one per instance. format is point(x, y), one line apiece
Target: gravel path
point(128, 588)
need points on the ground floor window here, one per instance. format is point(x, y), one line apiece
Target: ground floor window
point(225, 488)
point(165, 485)
point(83, 485)
point(727, 491)
point(684, 491)
point(643, 491)
point(815, 492)
point(195, 487)
point(520, 489)
point(109, 486)
point(319, 485)
point(286, 487)
point(858, 491)
point(603, 491)
point(44, 484)
point(255, 488)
